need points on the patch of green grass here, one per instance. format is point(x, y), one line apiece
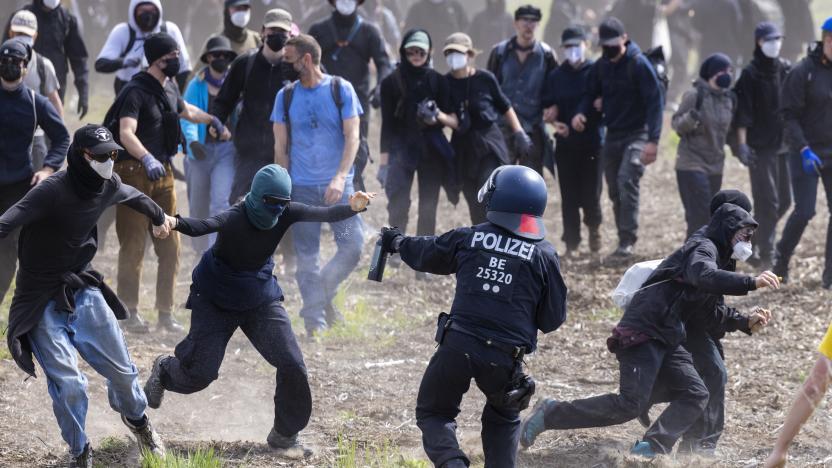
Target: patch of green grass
point(354, 454)
point(201, 458)
point(362, 321)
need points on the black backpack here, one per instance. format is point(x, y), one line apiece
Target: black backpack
point(132, 40)
point(655, 57)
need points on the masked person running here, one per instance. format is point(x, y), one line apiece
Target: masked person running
point(233, 287)
point(647, 341)
point(209, 166)
point(61, 306)
point(477, 139)
point(123, 52)
point(415, 106)
point(509, 286)
point(145, 119)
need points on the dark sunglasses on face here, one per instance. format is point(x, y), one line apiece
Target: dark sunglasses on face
point(219, 56)
point(271, 200)
point(745, 235)
point(103, 157)
point(12, 60)
point(415, 53)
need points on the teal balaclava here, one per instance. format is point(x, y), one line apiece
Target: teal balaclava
point(270, 181)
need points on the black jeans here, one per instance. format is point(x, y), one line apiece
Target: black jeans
point(805, 189)
point(771, 188)
point(696, 190)
point(472, 180)
point(579, 174)
point(459, 359)
point(9, 195)
point(198, 357)
point(640, 368)
point(405, 162)
point(623, 171)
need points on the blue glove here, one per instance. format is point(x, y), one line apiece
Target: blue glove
point(811, 162)
point(154, 169)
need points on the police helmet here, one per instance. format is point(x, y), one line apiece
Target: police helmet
point(515, 199)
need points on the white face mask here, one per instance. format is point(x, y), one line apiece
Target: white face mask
point(104, 170)
point(345, 7)
point(456, 60)
point(742, 251)
point(575, 54)
point(771, 49)
point(240, 18)
point(51, 4)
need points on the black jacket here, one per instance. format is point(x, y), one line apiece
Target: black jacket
point(688, 285)
point(566, 87)
point(350, 60)
point(253, 133)
point(807, 104)
point(758, 101)
point(507, 288)
point(59, 40)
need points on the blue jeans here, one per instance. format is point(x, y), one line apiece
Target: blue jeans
point(318, 286)
point(92, 331)
point(209, 186)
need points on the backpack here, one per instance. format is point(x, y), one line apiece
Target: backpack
point(41, 65)
point(132, 40)
point(655, 57)
point(288, 94)
point(495, 62)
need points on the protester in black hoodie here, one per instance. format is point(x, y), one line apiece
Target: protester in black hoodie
point(647, 339)
point(415, 105)
point(760, 133)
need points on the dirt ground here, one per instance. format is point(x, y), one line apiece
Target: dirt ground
point(365, 375)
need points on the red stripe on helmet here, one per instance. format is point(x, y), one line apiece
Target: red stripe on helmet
point(528, 225)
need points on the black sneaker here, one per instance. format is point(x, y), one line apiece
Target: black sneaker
point(644, 419)
point(289, 447)
point(153, 389)
point(333, 315)
point(781, 269)
point(84, 460)
point(147, 438)
point(168, 323)
point(135, 323)
point(595, 239)
point(623, 252)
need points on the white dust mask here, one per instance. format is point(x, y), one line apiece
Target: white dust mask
point(771, 49)
point(240, 18)
point(103, 169)
point(575, 54)
point(742, 251)
point(345, 7)
point(51, 4)
point(456, 60)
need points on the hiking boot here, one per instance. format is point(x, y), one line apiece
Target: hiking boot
point(534, 423)
point(288, 446)
point(135, 323)
point(595, 239)
point(153, 389)
point(781, 268)
point(168, 323)
point(643, 448)
point(333, 315)
point(147, 438)
point(623, 252)
point(84, 460)
point(644, 419)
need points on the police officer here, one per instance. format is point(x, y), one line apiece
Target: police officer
point(508, 286)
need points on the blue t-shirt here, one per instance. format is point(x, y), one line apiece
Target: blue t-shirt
point(317, 133)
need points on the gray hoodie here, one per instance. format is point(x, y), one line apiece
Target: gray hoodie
point(703, 131)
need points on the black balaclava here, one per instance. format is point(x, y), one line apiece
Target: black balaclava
point(85, 181)
point(230, 30)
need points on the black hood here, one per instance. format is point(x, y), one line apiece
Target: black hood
point(231, 31)
point(85, 181)
point(404, 64)
point(732, 196)
point(725, 222)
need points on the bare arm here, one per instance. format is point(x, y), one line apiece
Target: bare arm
point(513, 121)
point(55, 99)
point(194, 114)
point(336, 187)
point(127, 134)
point(448, 120)
point(281, 150)
point(808, 398)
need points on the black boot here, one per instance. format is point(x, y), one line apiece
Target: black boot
point(168, 323)
point(288, 446)
point(135, 323)
point(84, 460)
point(595, 239)
point(153, 389)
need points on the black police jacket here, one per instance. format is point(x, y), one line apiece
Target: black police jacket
point(688, 285)
point(507, 288)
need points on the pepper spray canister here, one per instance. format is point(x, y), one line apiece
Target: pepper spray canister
point(378, 262)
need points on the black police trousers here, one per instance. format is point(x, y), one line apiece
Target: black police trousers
point(459, 359)
point(580, 179)
point(9, 195)
point(405, 163)
point(641, 367)
point(198, 357)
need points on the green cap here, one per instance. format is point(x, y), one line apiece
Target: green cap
point(418, 39)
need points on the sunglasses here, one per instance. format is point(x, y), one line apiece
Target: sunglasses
point(745, 234)
point(271, 200)
point(415, 53)
point(103, 157)
point(12, 60)
point(220, 56)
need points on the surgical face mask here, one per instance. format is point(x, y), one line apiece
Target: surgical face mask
point(219, 65)
point(742, 251)
point(276, 41)
point(147, 20)
point(345, 7)
point(241, 18)
point(611, 52)
point(771, 49)
point(28, 40)
point(51, 4)
point(171, 67)
point(456, 60)
point(575, 54)
point(103, 169)
point(11, 71)
point(724, 81)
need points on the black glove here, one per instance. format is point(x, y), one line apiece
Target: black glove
point(746, 155)
point(427, 112)
point(695, 115)
point(83, 102)
point(382, 174)
point(198, 150)
point(375, 97)
point(391, 239)
point(522, 143)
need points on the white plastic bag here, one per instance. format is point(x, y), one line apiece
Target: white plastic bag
point(631, 282)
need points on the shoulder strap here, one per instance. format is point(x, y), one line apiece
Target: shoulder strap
point(164, 27)
point(41, 64)
point(34, 109)
point(335, 88)
point(700, 97)
point(130, 42)
point(499, 58)
point(252, 56)
point(346, 43)
point(288, 93)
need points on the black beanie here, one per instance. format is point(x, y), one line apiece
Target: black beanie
point(158, 45)
point(714, 64)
